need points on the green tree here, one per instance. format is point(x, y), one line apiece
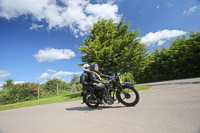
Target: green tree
point(50, 87)
point(114, 47)
point(127, 77)
point(8, 84)
point(186, 55)
point(20, 92)
point(75, 79)
point(180, 60)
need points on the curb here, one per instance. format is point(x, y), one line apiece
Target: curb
point(172, 82)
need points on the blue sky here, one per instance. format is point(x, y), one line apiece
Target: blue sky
point(39, 38)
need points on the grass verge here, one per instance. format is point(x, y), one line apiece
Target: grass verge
point(139, 88)
point(56, 99)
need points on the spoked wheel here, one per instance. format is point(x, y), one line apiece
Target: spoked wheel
point(87, 99)
point(128, 96)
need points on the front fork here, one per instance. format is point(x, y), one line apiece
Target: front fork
point(119, 90)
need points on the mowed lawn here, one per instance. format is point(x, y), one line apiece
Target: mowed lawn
point(56, 99)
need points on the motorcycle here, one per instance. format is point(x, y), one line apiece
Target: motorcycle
point(115, 90)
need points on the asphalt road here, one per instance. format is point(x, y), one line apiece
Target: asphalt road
point(173, 108)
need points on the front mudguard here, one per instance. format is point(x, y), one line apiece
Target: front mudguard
point(128, 84)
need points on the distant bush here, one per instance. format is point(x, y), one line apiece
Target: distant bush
point(14, 93)
point(19, 93)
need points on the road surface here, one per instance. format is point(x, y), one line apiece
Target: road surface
point(172, 108)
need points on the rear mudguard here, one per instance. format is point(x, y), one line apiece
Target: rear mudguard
point(83, 95)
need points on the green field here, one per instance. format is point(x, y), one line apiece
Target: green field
point(55, 99)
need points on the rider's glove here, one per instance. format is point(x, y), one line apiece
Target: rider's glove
point(104, 82)
point(99, 84)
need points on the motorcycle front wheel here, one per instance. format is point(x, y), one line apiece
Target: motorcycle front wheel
point(87, 98)
point(128, 96)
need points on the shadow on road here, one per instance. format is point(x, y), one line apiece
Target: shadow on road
point(85, 108)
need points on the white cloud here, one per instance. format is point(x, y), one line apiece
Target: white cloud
point(35, 27)
point(19, 82)
point(166, 34)
point(78, 15)
point(158, 6)
point(64, 73)
point(161, 42)
point(191, 10)
point(51, 54)
point(44, 75)
point(4, 73)
point(55, 74)
point(51, 70)
point(1, 85)
point(105, 10)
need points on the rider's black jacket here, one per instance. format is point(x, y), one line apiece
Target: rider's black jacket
point(95, 79)
point(85, 79)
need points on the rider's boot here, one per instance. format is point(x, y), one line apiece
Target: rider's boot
point(102, 102)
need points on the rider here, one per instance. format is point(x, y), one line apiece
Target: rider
point(95, 77)
point(85, 80)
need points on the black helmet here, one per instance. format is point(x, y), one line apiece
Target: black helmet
point(93, 66)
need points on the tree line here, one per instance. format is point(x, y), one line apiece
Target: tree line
point(180, 60)
point(13, 93)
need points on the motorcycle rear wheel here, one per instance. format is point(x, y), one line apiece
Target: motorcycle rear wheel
point(87, 98)
point(128, 96)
